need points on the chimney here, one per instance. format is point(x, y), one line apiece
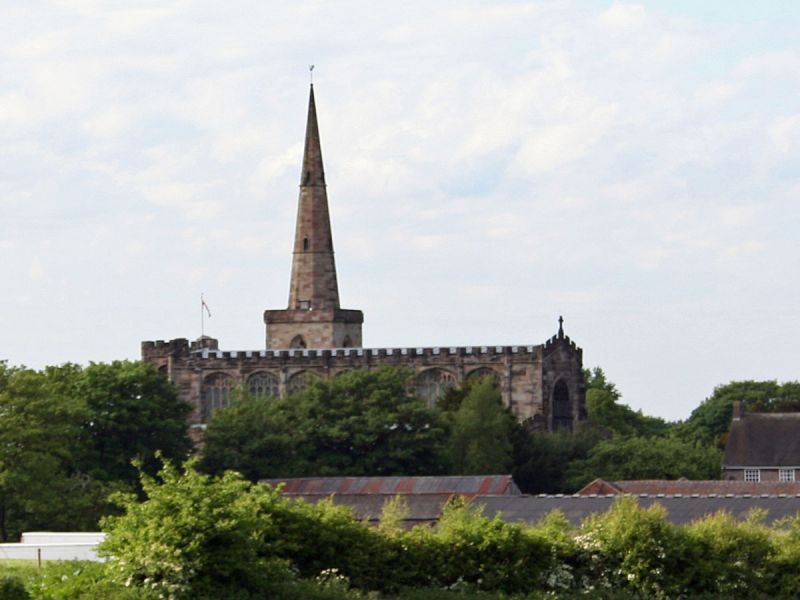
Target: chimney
point(737, 410)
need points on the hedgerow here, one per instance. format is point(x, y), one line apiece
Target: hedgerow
point(198, 536)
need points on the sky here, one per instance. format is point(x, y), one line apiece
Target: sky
point(632, 166)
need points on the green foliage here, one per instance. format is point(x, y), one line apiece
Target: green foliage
point(604, 409)
point(541, 459)
point(39, 424)
point(712, 419)
point(323, 538)
point(193, 533)
point(631, 547)
point(645, 458)
point(12, 588)
point(80, 580)
point(69, 434)
point(359, 423)
point(131, 412)
point(480, 441)
point(472, 551)
point(728, 558)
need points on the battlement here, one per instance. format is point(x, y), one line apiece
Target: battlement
point(556, 340)
point(161, 348)
point(207, 353)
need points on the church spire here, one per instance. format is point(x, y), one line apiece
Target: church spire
point(313, 284)
point(313, 171)
point(313, 318)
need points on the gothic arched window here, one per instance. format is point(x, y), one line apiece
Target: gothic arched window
point(298, 342)
point(263, 384)
point(562, 408)
point(217, 391)
point(482, 372)
point(433, 383)
point(298, 381)
point(347, 342)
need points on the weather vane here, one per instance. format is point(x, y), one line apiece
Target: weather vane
point(311, 73)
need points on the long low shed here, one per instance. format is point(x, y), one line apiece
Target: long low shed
point(426, 508)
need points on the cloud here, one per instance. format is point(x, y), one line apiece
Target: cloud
point(784, 132)
point(623, 17)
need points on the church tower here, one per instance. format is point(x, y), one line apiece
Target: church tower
point(313, 318)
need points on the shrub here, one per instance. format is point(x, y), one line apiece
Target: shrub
point(728, 558)
point(12, 588)
point(629, 547)
point(468, 549)
point(322, 538)
point(194, 533)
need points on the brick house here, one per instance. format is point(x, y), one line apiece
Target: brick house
point(762, 447)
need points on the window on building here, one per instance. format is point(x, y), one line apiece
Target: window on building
point(482, 372)
point(562, 407)
point(305, 243)
point(297, 342)
point(299, 381)
point(433, 383)
point(785, 474)
point(217, 390)
point(263, 384)
point(305, 304)
point(753, 475)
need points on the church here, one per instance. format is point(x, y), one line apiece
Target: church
point(313, 336)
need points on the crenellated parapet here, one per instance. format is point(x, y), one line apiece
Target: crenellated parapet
point(206, 375)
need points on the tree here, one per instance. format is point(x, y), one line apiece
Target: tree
point(363, 422)
point(480, 442)
point(622, 458)
point(37, 429)
point(604, 408)
point(541, 459)
point(131, 412)
point(709, 421)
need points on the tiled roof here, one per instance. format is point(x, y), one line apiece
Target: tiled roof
point(764, 440)
point(686, 487)
point(463, 486)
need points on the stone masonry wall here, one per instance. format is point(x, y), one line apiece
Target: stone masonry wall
point(526, 374)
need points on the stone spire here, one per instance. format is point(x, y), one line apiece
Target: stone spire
point(313, 318)
point(313, 284)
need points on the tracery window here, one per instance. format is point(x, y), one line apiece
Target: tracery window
point(263, 384)
point(433, 383)
point(482, 372)
point(299, 381)
point(217, 392)
point(562, 409)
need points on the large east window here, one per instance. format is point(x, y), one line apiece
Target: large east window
point(753, 475)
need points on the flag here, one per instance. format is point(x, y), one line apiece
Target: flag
point(204, 305)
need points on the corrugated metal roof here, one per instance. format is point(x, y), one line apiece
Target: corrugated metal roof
point(426, 508)
point(422, 508)
point(680, 509)
point(465, 486)
point(687, 487)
